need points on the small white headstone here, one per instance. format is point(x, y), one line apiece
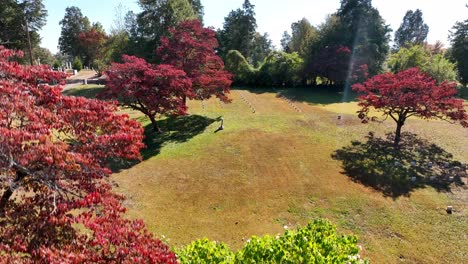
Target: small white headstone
point(413, 163)
point(413, 179)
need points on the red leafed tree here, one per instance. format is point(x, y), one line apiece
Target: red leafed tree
point(190, 47)
point(56, 205)
point(92, 42)
point(152, 89)
point(410, 93)
point(333, 63)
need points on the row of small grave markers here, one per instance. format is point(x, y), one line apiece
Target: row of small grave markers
point(248, 103)
point(291, 104)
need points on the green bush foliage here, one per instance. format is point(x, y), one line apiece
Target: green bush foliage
point(281, 68)
point(435, 65)
point(77, 64)
point(237, 64)
point(318, 242)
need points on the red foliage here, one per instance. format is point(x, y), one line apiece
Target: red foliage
point(148, 88)
point(410, 93)
point(190, 47)
point(56, 205)
point(92, 43)
point(334, 63)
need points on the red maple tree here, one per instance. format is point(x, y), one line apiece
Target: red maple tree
point(56, 203)
point(151, 89)
point(92, 43)
point(409, 93)
point(334, 63)
point(191, 48)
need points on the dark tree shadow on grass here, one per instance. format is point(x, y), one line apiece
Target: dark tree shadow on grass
point(416, 164)
point(89, 92)
point(174, 129)
point(320, 94)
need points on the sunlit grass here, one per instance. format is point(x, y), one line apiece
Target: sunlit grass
point(274, 167)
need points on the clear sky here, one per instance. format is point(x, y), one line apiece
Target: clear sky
point(273, 16)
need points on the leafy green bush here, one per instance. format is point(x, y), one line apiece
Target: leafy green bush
point(281, 68)
point(435, 65)
point(77, 64)
point(317, 242)
point(205, 251)
point(237, 64)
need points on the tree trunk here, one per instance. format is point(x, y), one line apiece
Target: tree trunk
point(9, 192)
point(155, 124)
point(185, 100)
point(397, 139)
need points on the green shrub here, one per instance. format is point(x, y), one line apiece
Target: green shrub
point(77, 64)
point(435, 65)
point(205, 251)
point(318, 242)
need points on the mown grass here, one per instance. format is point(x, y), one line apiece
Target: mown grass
point(275, 167)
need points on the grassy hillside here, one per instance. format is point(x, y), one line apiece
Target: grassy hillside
point(281, 162)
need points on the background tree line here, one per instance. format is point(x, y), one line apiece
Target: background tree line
point(349, 46)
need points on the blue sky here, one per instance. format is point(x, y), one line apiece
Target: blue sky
point(273, 16)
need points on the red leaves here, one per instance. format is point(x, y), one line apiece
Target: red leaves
point(190, 48)
point(53, 153)
point(410, 93)
point(148, 88)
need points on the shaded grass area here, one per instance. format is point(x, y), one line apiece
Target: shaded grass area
point(314, 95)
point(174, 130)
point(395, 172)
point(88, 91)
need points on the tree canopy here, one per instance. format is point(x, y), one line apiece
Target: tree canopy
point(56, 203)
point(409, 93)
point(238, 31)
point(412, 31)
point(73, 23)
point(191, 48)
point(459, 51)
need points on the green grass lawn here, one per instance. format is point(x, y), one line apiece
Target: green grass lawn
point(286, 166)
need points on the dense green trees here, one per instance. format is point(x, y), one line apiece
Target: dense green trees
point(157, 16)
point(412, 31)
point(459, 51)
point(238, 31)
point(20, 22)
point(365, 32)
point(73, 23)
point(421, 57)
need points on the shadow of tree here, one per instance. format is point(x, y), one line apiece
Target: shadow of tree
point(175, 129)
point(319, 94)
point(396, 172)
point(88, 92)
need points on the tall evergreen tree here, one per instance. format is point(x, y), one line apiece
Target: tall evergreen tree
point(261, 47)
point(459, 50)
point(303, 33)
point(365, 31)
point(238, 31)
point(20, 23)
point(412, 31)
point(157, 17)
point(73, 23)
point(285, 42)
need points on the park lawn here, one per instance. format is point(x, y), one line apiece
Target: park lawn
point(274, 168)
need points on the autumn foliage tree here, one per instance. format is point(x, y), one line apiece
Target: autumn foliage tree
point(151, 89)
point(56, 204)
point(409, 93)
point(191, 48)
point(92, 43)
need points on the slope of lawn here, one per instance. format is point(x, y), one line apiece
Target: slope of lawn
point(293, 161)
